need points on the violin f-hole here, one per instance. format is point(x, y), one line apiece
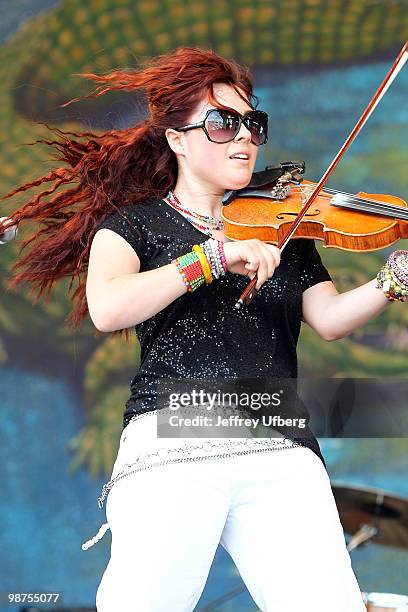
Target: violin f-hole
point(282, 215)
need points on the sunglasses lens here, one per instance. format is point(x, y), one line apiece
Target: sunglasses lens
point(222, 125)
point(257, 124)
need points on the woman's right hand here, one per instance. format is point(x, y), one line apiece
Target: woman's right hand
point(250, 257)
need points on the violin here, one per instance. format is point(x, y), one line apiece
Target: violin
point(337, 236)
point(361, 222)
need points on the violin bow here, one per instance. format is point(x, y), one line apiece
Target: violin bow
point(250, 291)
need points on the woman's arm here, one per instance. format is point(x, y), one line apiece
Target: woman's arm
point(334, 315)
point(120, 296)
point(133, 298)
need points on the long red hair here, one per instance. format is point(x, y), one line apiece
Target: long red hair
point(115, 168)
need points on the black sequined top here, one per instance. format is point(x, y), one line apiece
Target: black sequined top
point(201, 335)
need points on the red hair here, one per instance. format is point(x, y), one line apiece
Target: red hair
point(117, 167)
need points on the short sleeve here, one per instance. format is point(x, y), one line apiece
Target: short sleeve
point(312, 269)
point(128, 223)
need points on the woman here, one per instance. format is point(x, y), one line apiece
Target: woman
point(152, 193)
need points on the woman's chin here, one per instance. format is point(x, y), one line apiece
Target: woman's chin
point(234, 185)
point(239, 181)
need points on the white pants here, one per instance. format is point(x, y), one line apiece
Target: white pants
point(274, 512)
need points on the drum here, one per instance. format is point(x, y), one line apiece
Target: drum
point(385, 602)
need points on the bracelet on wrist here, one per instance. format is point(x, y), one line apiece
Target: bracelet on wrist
point(214, 250)
point(189, 266)
point(393, 277)
point(202, 264)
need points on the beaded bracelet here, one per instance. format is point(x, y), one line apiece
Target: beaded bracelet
point(202, 264)
point(208, 253)
point(393, 276)
point(214, 249)
point(189, 266)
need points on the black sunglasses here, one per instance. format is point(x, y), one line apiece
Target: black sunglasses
point(221, 125)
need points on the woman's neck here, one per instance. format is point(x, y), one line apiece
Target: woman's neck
point(199, 200)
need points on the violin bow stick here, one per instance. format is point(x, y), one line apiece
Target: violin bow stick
point(250, 291)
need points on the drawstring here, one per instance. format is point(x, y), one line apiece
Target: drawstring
point(97, 537)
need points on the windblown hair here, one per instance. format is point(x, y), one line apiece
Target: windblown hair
point(104, 171)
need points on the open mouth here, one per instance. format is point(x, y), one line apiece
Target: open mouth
point(242, 160)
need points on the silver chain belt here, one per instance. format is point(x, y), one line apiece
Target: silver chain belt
point(191, 452)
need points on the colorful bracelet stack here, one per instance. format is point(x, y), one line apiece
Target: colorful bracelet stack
point(203, 263)
point(214, 251)
point(393, 276)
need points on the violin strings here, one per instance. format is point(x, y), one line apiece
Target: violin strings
point(384, 210)
point(371, 205)
point(364, 204)
point(353, 198)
